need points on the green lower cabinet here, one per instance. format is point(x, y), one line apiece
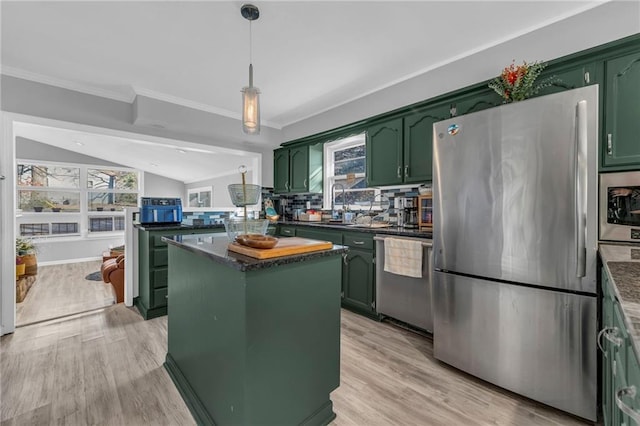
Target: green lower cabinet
point(286, 231)
point(358, 281)
point(153, 269)
point(620, 368)
point(319, 234)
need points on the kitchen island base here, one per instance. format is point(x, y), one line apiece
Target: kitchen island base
point(258, 346)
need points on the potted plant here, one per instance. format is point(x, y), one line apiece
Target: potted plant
point(20, 266)
point(26, 249)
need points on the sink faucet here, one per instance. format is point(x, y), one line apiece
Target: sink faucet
point(333, 189)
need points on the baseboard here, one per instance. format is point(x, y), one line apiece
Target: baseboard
point(199, 413)
point(65, 261)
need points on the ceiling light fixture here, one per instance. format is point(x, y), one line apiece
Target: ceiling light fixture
point(250, 94)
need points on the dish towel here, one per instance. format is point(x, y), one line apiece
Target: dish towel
point(403, 257)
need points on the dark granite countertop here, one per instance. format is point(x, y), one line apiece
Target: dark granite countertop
point(392, 230)
point(214, 247)
point(173, 227)
point(623, 265)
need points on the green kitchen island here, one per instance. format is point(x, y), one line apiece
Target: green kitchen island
point(253, 342)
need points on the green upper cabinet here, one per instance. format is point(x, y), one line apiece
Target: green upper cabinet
point(399, 151)
point(474, 102)
point(569, 76)
point(297, 169)
point(384, 153)
point(621, 135)
point(281, 170)
point(418, 144)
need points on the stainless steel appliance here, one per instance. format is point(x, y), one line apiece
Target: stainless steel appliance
point(515, 240)
point(405, 298)
point(156, 210)
point(407, 211)
point(620, 206)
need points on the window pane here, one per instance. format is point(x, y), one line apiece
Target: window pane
point(34, 229)
point(349, 153)
point(112, 179)
point(48, 176)
point(353, 197)
point(100, 224)
point(349, 166)
point(64, 228)
point(118, 223)
point(48, 201)
point(357, 183)
point(111, 201)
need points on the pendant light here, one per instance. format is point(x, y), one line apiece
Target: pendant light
point(250, 94)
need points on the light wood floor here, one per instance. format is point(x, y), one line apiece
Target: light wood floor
point(105, 367)
point(62, 290)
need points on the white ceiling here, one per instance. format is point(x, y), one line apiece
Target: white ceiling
point(308, 56)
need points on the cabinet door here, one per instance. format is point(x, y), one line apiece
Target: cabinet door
point(621, 139)
point(418, 144)
point(567, 78)
point(384, 153)
point(358, 280)
point(299, 169)
point(281, 171)
point(474, 102)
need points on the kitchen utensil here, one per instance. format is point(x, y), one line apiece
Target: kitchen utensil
point(241, 226)
point(257, 241)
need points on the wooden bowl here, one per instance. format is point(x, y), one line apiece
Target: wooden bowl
point(257, 241)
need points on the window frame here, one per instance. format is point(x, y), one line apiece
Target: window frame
point(329, 149)
point(81, 217)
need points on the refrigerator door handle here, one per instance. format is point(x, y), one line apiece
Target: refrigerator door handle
point(581, 183)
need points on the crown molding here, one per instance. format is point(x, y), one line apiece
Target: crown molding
point(67, 84)
point(118, 96)
point(196, 105)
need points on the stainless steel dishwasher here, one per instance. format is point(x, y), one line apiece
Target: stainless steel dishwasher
point(405, 298)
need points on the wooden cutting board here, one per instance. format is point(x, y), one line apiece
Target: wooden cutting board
point(284, 247)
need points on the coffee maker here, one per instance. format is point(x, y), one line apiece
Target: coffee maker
point(407, 211)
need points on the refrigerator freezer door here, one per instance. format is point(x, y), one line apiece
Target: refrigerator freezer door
point(535, 342)
point(515, 192)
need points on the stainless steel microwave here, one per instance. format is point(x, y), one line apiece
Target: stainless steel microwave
point(620, 206)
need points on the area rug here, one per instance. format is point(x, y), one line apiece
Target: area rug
point(94, 276)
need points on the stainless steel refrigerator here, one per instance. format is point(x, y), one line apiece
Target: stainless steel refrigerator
point(515, 241)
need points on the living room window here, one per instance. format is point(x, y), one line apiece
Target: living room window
point(63, 199)
point(345, 167)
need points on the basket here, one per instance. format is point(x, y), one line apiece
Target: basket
point(237, 192)
point(238, 225)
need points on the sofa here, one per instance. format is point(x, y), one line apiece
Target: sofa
point(113, 272)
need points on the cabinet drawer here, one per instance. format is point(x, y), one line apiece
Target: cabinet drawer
point(358, 239)
point(159, 257)
point(159, 278)
point(156, 241)
point(160, 297)
point(288, 231)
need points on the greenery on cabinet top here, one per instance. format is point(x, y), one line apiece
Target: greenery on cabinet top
point(569, 69)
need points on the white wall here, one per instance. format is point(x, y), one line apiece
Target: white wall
point(221, 198)
point(160, 186)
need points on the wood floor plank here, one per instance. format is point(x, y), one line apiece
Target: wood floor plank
point(62, 290)
point(106, 367)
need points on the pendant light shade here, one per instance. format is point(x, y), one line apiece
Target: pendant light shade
point(251, 107)
point(250, 94)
